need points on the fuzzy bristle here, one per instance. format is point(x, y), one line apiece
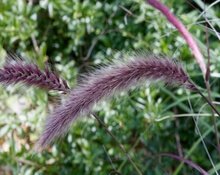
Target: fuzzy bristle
point(106, 82)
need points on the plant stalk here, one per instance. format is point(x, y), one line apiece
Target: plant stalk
point(119, 144)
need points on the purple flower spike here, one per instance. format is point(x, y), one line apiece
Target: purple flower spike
point(106, 82)
point(17, 71)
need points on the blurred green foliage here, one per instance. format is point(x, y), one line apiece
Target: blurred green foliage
point(73, 35)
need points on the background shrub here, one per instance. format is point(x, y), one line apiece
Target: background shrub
point(74, 35)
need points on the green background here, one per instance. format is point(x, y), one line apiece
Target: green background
point(73, 36)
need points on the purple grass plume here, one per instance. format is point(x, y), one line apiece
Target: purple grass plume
point(105, 82)
point(17, 71)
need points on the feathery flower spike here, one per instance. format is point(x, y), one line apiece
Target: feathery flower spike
point(106, 82)
point(17, 71)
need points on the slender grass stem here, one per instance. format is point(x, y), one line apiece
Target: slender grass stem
point(210, 104)
point(205, 98)
point(117, 141)
point(207, 79)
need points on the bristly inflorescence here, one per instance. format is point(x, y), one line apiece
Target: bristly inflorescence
point(18, 71)
point(106, 82)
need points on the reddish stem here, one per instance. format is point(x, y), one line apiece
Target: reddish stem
point(184, 32)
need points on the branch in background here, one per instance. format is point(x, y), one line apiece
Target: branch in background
point(17, 71)
point(34, 41)
point(184, 32)
point(119, 144)
point(208, 79)
point(186, 161)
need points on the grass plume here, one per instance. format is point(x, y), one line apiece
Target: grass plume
point(106, 82)
point(17, 71)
